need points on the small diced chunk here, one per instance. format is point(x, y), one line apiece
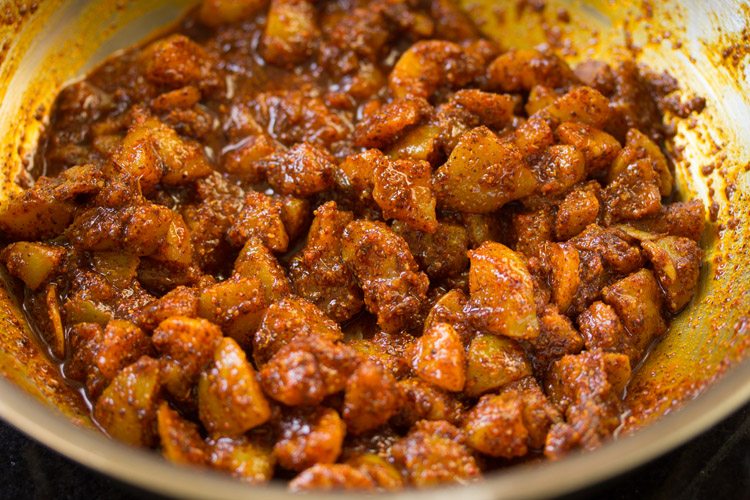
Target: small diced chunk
point(385, 476)
point(230, 401)
point(439, 358)
point(295, 116)
point(502, 292)
point(308, 437)
point(559, 168)
point(429, 65)
point(287, 319)
point(633, 194)
point(176, 61)
point(394, 288)
point(291, 32)
point(434, 453)
point(319, 274)
point(482, 174)
point(176, 249)
point(381, 353)
point(236, 305)
point(578, 209)
point(532, 137)
point(450, 309)
point(687, 219)
point(441, 254)
point(260, 217)
point(139, 229)
point(421, 400)
point(126, 410)
point(122, 344)
point(602, 330)
point(118, 268)
point(617, 250)
point(295, 214)
point(384, 126)
point(582, 104)
point(565, 280)
point(598, 147)
point(180, 301)
point(84, 340)
point(557, 337)
point(45, 210)
point(256, 261)
point(493, 362)
point(521, 70)
point(180, 440)
point(183, 159)
point(402, 189)
point(372, 397)
point(249, 457)
point(677, 264)
point(588, 387)
point(419, 143)
point(32, 263)
point(532, 230)
point(187, 346)
point(303, 170)
point(355, 173)
point(306, 370)
point(638, 301)
point(30, 215)
point(249, 159)
point(331, 477)
point(493, 110)
point(638, 146)
point(509, 424)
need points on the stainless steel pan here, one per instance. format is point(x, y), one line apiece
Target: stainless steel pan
point(695, 377)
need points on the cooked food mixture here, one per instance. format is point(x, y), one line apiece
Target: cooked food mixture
point(353, 243)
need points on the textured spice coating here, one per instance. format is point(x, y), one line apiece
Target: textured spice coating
point(429, 65)
point(230, 401)
point(249, 457)
point(442, 253)
point(122, 344)
point(439, 358)
point(286, 320)
point(353, 243)
point(587, 387)
point(502, 293)
point(482, 174)
point(331, 477)
point(309, 437)
point(126, 409)
point(433, 453)
point(403, 191)
point(372, 397)
point(187, 346)
point(508, 424)
point(306, 370)
point(394, 288)
point(180, 440)
point(318, 272)
point(524, 69)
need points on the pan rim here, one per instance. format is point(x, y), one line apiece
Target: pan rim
point(146, 469)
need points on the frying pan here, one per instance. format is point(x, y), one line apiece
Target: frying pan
point(694, 377)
